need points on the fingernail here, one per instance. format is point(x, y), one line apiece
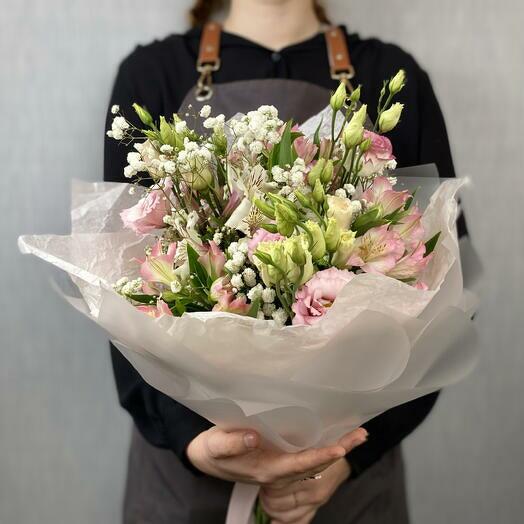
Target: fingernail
point(250, 440)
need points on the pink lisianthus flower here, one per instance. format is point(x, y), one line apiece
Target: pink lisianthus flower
point(305, 149)
point(213, 259)
point(379, 156)
point(157, 311)
point(410, 228)
point(149, 212)
point(158, 267)
point(381, 193)
point(261, 235)
point(377, 251)
point(317, 295)
point(411, 265)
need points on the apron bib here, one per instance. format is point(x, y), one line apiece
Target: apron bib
point(160, 489)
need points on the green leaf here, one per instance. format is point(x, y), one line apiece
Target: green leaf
point(144, 115)
point(409, 201)
point(431, 244)
point(264, 258)
point(143, 299)
point(284, 155)
point(255, 307)
point(316, 136)
point(272, 228)
point(196, 269)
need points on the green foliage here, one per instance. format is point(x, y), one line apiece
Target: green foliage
point(431, 244)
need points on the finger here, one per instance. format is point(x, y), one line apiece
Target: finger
point(354, 439)
point(223, 445)
point(301, 464)
point(284, 503)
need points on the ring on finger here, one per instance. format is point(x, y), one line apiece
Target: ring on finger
point(318, 476)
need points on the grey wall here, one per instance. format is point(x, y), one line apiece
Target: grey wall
point(63, 438)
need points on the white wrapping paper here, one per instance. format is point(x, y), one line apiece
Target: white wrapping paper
point(382, 343)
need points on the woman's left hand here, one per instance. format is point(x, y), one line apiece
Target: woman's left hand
point(298, 502)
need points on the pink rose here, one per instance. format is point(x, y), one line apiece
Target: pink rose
point(261, 235)
point(315, 297)
point(379, 156)
point(148, 214)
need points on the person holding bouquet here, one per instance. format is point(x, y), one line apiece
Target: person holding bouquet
point(286, 53)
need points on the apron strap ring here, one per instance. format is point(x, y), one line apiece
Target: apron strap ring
point(208, 60)
point(340, 64)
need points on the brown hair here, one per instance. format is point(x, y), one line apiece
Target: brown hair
point(202, 11)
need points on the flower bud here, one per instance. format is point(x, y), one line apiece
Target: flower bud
point(389, 119)
point(327, 172)
point(397, 83)
point(354, 132)
point(144, 115)
point(316, 170)
point(355, 96)
point(341, 210)
point(296, 250)
point(318, 246)
point(199, 177)
point(285, 220)
point(344, 249)
point(318, 192)
point(365, 145)
point(338, 98)
point(332, 235)
point(266, 209)
point(303, 199)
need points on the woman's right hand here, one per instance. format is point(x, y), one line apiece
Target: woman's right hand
point(237, 457)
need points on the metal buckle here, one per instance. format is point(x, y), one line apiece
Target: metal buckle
point(204, 90)
point(345, 76)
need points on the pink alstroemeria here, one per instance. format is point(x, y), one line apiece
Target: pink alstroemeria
point(158, 267)
point(261, 235)
point(213, 259)
point(148, 214)
point(377, 251)
point(317, 295)
point(305, 148)
point(410, 228)
point(381, 193)
point(411, 265)
point(157, 311)
point(233, 202)
point(229, 304)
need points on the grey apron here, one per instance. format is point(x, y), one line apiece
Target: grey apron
point(160, 489)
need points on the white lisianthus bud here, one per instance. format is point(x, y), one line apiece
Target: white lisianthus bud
point(340, 209)
point(344, 249)
point(338, 98)
point(397, 83)
point(354, 131)
point(389, 119)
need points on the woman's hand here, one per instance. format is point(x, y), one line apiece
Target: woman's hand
point(237, 457)
point(298, 502)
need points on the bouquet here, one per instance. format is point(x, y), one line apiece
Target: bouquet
point(273, 276)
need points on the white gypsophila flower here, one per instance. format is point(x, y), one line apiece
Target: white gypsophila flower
point(129, 172)
point(181, 127)
point(269, 309)
point(261, 316)
point(255, 293)
point(132, 190)
point(297, 179)
point(169, 220)
point(356, 207)
point(176, 286)
point(133, 287)
point(205, 111)
point(166, 149)
point(232, 248)
point(250, 277)
point(169, 167)
point(268, 295)
point(256, 147)
point(217, 238)
point(231, 266)
point(120, 283)
point(279, 175)
point(239, 258)
point(350, 189)
point(243, 247)
point(341, 193)
point(392, 179)
point(115, 109)
point(280, 316)
point(286, 191)
point(236, 281)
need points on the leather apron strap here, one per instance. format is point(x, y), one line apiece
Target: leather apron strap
point(208, 61)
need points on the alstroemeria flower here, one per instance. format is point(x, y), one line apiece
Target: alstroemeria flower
point(228, 303)
point(381, 193)
point(213, 259)
point(317, 295)
point(157, 311)
point(148, 214)
point(377, 251)
point(158, 267)
point(305, 148)
point(379, 156)
point(411, 265)
point(410, 228)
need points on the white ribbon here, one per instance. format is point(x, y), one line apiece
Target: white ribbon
point(242, 503)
